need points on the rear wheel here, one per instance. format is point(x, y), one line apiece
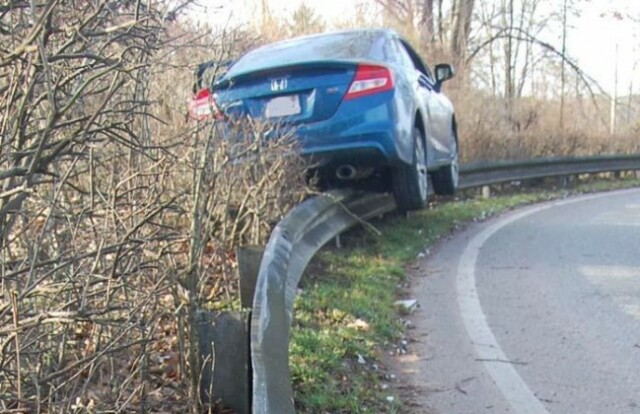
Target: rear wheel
point(445, 179)
point(410, 183)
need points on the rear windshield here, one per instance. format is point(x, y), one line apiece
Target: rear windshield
point(361, 45)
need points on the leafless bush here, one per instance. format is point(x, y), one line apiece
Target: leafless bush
point(117, 217)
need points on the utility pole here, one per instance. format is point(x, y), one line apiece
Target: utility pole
point(564, 53)
point(614, 98)
point(630, 98)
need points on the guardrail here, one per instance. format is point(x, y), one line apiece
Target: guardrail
point(292, 244)
point(310, 225)
point(487, 173)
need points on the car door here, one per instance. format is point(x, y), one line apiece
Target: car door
point(438, 116)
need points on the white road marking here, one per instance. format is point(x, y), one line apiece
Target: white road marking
point(601, 274)
point(512, 386)
point(618, 283)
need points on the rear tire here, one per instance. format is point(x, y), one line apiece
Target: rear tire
point(445, 179)
point(410, 183)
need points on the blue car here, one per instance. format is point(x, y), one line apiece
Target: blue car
point(364, 106)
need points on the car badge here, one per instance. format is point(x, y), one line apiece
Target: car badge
point(278, 85)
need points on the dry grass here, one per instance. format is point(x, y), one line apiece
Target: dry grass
point(489, 130)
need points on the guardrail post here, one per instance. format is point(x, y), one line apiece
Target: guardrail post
point(223, 342)
point(567, 181)
point(249, 259)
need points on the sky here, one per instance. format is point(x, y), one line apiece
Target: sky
point(593, 43)
point(592, 40)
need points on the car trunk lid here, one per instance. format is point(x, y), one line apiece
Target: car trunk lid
point(308, 92)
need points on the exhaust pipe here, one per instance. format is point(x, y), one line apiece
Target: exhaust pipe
point(346, 172)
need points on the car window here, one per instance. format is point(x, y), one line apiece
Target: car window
point(352, 45)
point(403, 56)
point(416, 61)
point(384, 49)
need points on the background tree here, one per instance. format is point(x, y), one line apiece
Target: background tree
point(427, 22)
point(304, 20)
point(463, 14)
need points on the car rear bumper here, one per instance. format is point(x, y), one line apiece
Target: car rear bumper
point(368, 132)
point(363, 132)
point(357, 155)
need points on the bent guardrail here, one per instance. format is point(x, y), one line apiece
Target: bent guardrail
point(310, 225)
point(292, 244)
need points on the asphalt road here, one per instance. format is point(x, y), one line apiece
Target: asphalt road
point(536, 311)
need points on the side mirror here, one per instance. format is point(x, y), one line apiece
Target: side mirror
point(444, 72)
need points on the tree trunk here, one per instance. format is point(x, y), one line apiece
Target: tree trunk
point(428, 33)
point(508, 51)
point(614, 97)
point(630, 98)
point(461, 29)
point(562, 72)
point(440, 25)
point(527, 24)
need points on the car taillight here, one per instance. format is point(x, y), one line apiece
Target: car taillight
point(204, 107)
point(370, 79)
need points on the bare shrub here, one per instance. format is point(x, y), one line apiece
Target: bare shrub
point(117, 217)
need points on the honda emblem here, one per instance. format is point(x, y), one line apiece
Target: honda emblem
point(278, 85)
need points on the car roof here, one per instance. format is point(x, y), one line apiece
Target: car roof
point(344, 45)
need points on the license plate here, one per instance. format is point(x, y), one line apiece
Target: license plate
point(282, 106)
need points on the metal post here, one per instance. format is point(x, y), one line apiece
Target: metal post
point(223, 342)
point(249, 259)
